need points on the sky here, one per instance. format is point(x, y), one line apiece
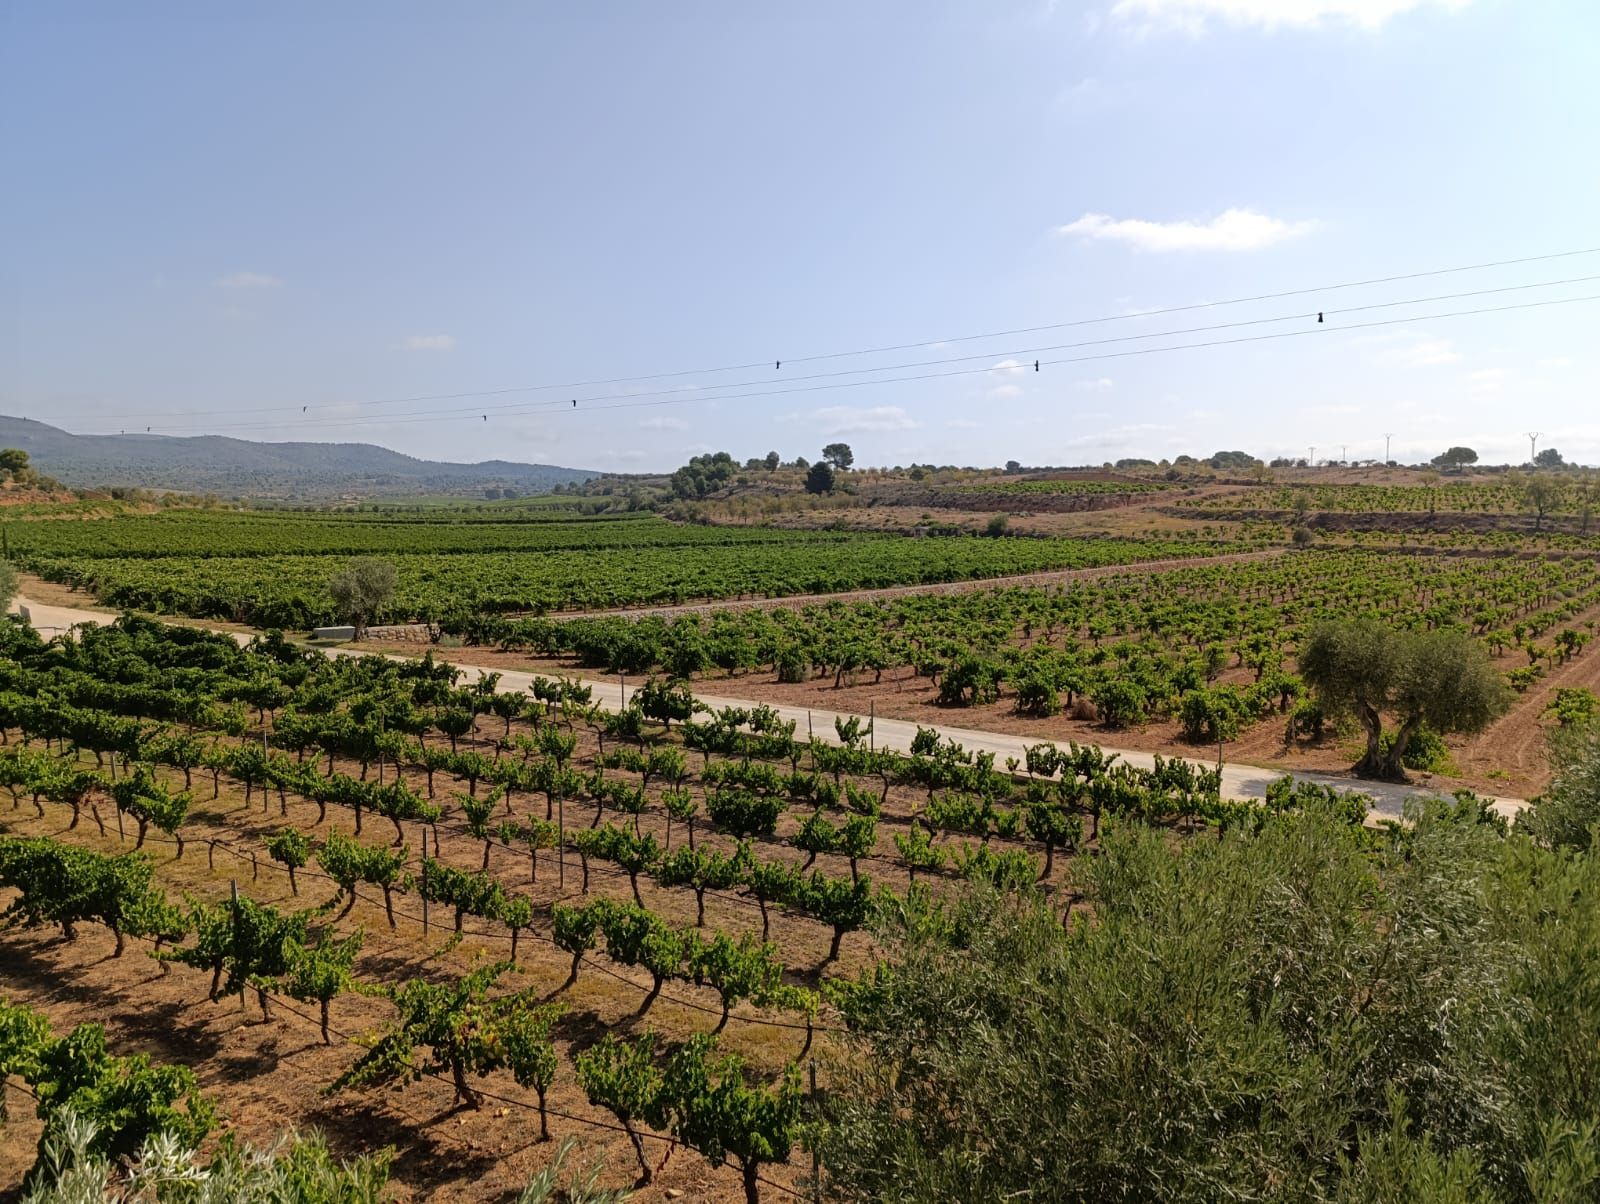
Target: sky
point(435, 226)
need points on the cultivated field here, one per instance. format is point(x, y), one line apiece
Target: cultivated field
point(700, 872)
point(581, 879)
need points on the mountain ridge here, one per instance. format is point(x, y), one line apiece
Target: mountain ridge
point(223, 464)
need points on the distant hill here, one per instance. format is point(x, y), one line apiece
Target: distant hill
point(240, 467)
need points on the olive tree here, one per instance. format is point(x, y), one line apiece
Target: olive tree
point(839, 455)
point(362, 590)
point(1542, 493)
point(1245, 1018)
point(1440, 678)
point(1565, 815)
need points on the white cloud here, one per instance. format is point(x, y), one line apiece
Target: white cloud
point(663, 424)
point(1555, 363)
point(1192, 16)
point(1427, 353)
point(852, 420)
point(1008, 368)
point(963, 424)
point(1098, 385)
point(1004, 392)
point(249, 280)
point(429, 342)
point(1233, 230)
point(1333, 411)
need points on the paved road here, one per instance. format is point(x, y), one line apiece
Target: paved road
point(1238, 781)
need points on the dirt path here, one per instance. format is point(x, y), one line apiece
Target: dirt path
point(1239, 781)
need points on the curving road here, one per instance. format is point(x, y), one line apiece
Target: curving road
point(1238, 781)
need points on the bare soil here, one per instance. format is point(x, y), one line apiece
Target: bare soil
point(266, 1074)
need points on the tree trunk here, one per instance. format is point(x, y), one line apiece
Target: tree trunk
point(1394, 768)
point(327, 1037)
point(1372, 764)
point(752, 1192)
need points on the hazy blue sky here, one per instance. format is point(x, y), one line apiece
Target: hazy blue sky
point(213, 215)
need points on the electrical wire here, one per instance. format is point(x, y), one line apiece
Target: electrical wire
point(555, 408)
point(780, 359)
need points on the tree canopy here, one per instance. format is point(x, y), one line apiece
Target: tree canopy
point(363, 589)
point(1309, 1011)
point(820, 478)
point(1443, 679)
point(1568, 813)
point(703, 475)
point(1225, 461)
point(839, 455)
point(1455, 457)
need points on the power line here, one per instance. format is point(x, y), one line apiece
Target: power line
point(1024, 351)
point(653, 401)
point(891, 347)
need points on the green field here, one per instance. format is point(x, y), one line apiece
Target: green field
point(272, 569)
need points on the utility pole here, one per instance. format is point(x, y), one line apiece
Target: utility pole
point(1312, 462)
point(1386, 437)
point(1533, 445)
point(1343, 448)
